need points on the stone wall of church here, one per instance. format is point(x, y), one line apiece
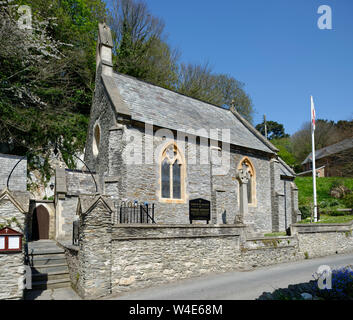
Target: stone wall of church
point(141, 181)
point(102, 115)
point(18, 180)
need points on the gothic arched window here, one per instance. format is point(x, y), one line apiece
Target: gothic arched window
point(247, 165)
point(172, 174)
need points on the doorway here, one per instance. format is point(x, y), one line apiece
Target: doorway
point(40, 223)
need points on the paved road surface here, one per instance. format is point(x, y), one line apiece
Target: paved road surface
point(238, 285)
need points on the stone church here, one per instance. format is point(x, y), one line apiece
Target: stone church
point(206, 182)
point(151, 145)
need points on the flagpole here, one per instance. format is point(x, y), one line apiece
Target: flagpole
point(313, 156)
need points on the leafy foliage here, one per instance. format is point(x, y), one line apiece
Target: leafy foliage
point(47, 77)
point(275, 130)
point(285, 150)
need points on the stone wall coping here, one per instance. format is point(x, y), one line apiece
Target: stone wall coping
point(166, 226)
point(321, 227)
point(271, 238)
point(175, 237)
point(271, 248)
point(322, 224)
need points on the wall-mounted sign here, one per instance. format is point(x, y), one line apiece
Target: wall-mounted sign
point(10, 240)
point(199, 209)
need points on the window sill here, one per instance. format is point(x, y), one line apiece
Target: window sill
point(164, 200)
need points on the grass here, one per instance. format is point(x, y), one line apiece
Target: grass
point(325, 218)
point(323, 186)
point(324, 199)
point(275, 234)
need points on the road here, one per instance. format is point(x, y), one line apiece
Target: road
point(238, 285)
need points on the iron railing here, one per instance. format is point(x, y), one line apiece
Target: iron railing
point(134, 212)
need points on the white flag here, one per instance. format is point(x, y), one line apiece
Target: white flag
point(312, 114)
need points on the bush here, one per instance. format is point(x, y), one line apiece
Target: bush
point(323, 204)
point(306, 211)
point(348, 200)
point(336, 213)
point(334, 203)
point(335, 184)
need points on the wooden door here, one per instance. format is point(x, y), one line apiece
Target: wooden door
point(42, 222)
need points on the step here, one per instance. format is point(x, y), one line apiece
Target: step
point(51, 284)
point(47, 260)
point(48, 276)
point(60, 267)
point(36, 252)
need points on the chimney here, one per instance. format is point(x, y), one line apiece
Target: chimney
point(104, 49)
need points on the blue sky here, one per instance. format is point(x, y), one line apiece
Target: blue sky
point(275, 47)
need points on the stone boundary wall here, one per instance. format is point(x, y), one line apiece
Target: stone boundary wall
point(71, 255)
point(11, 276)
point(265, 251)
point(112, 259)
point(161, 254)
point(317, 240)
point(13, 213)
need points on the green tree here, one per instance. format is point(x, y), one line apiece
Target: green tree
point(285, 150)
point(139, 44)
point(199, 82)
point(47, 77)
point(275, 130)
point(325, 135)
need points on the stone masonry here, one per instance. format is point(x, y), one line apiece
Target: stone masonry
point(18, 180)
point(13, 212)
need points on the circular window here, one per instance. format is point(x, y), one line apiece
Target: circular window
point(96, 140)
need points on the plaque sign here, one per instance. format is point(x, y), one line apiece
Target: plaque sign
point(199, 209)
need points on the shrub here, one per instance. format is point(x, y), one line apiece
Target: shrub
point(348, 200)
point(335, 184)
point(323, 204)
point(306, 211)
point(334, 203)
point(336, 213)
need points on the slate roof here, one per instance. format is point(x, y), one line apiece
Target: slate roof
point(286, 170)
point(161, 107)
point(329, 150)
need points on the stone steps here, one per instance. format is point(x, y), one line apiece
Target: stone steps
point(48, 276)
point(47, 259)
point(50, 268)
point(48, 265)
point(51, 284)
